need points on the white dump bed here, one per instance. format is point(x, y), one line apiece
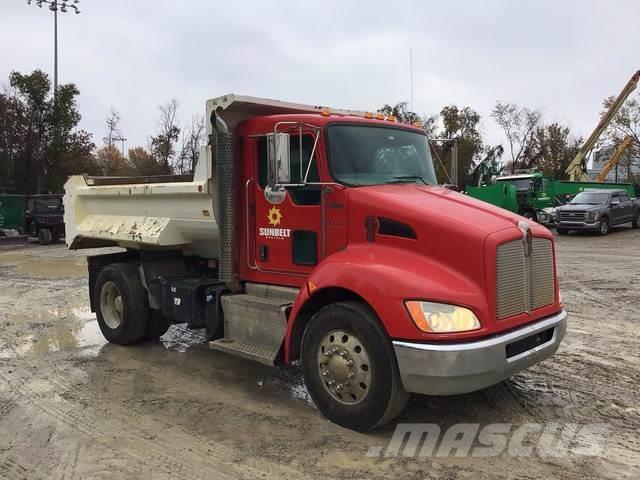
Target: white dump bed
point(164, 214)
point(136, 215)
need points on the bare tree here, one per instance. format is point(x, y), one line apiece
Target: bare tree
point(192, 137)
point(163, 143)
point(519, 125)
point(113, 127)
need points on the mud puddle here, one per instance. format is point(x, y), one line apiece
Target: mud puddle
point(69, 327)
point(59, 268)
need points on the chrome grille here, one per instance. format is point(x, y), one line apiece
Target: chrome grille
point(572, 215)
point(542, 280)
point(523, 283)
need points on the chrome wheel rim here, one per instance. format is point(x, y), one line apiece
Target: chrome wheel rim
point(344, 367)
point(111, 305)
point(604, 226)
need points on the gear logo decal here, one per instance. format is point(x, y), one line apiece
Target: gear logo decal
point(274, 216)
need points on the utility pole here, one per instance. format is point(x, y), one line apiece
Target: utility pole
point(63, 6)
point(120, 139)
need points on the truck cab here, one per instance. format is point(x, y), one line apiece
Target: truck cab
point(320, 236)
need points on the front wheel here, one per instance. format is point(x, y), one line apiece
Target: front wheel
point(121, 304)
point(350, 367)
point(604, 226)
point(44, 236)
point(562, 231)
point(636, 222)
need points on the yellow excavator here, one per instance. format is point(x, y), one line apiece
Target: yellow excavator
point(615, 158)
point(577, 169)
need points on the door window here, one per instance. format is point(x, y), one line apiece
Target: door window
point(308, 195)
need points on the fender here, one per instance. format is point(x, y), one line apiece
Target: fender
point(385, 277)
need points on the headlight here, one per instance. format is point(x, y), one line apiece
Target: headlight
point(593, 215)
point(433, 317)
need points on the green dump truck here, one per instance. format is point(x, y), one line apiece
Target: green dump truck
point(530, 194)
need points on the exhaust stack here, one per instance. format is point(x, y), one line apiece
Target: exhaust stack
point(227, 177)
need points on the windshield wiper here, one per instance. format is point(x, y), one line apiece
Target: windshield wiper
point(406, 179)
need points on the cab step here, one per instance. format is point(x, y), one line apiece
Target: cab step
point(255, 322)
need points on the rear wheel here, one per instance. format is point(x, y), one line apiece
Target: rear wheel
point(44, 236)
point(636, 222)
point(350, 367)
point(121, 304)
point(604, 226)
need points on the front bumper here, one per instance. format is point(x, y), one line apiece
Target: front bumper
point(574, 225)
point(451, 369)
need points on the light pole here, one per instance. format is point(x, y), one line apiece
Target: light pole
point(54, 6)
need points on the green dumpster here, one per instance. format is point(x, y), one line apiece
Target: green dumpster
point(12, 211)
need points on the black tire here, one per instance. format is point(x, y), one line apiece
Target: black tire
point(636, 222)
point(157, 325)
point(134, 306)
point(44, 236)
point(604, 226)
point(384, 398)
point(562, 231)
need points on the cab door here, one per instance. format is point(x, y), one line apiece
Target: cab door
point(627, 207)
point(288, 226)
point(616, 210)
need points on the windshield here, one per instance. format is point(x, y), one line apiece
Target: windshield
point(590, 198)
point(368, 155)
point(49, 205)
point(520, 183)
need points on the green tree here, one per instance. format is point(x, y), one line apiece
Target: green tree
point(551, 149)
point(39, 141)
point(401, 113)
point(463, 125)
point(112, 163)
point(143, 163)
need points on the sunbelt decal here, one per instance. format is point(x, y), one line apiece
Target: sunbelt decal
point(275, 218)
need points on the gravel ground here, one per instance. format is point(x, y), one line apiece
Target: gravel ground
point(73, 406)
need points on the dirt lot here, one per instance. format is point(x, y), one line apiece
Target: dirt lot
point(73, 406)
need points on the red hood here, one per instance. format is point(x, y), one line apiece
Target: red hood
point(452, 229)
point(421, 203)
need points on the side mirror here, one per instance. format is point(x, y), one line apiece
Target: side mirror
point(278, 159)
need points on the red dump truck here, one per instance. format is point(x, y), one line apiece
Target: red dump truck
point(319, 236)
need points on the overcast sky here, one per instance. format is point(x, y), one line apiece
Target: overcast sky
point(560, 56)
